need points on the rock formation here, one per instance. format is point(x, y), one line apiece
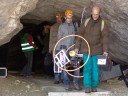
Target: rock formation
point(115, 11)
point(10, 13)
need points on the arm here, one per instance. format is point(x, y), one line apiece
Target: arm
point(60, 32)
point(80, 32)
point(105, 38)
point(50, 40)
point(77, 26)
point(29, 39)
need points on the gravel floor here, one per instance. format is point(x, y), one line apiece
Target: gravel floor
point(15, 85)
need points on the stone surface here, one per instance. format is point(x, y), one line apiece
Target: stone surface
point(78, 94)
point(42, 85)
point(115, 11)
point(10, 13)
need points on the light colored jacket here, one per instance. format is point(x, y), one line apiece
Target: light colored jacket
point(66, 29)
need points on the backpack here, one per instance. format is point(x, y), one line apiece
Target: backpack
point(102, 23)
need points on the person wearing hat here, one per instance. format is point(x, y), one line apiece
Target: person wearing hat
point(53, 39)
point(65, 29)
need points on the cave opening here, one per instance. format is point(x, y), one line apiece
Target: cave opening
point(32, 14)
point(15, 57)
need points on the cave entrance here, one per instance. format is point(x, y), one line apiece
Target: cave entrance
point(16, 58)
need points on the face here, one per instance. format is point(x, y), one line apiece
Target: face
point(69, 18)
point(95, 13)
point(58, 20)
point(47, 28)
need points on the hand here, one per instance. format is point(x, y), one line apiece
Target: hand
point(77, 50)
point(105, 53)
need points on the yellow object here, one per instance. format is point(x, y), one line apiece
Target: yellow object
point(66, 51)
point(72, 53)
point(68, 12)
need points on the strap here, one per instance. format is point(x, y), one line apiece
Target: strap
point(75, 26)
point(86, 22)
point(102, 25)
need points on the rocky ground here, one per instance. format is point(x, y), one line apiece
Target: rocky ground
point(15, 85)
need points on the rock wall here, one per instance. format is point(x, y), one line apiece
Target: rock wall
point(115, 11)
point(10, 13)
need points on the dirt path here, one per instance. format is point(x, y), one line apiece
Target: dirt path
point(41, 85)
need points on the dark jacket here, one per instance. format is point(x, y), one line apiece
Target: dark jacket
point(97, 40)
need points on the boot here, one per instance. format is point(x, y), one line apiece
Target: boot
point(57, 82)
point(94, 90)
point(61, 81)
point(77, 87)
point(88, 90)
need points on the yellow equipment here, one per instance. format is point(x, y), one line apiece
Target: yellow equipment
point(69, 12)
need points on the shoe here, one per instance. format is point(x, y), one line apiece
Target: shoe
point(68, 88)
point(94, 90)
point(88, 90)
point(61, 81)
point(57, 82)
point(77, 87)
